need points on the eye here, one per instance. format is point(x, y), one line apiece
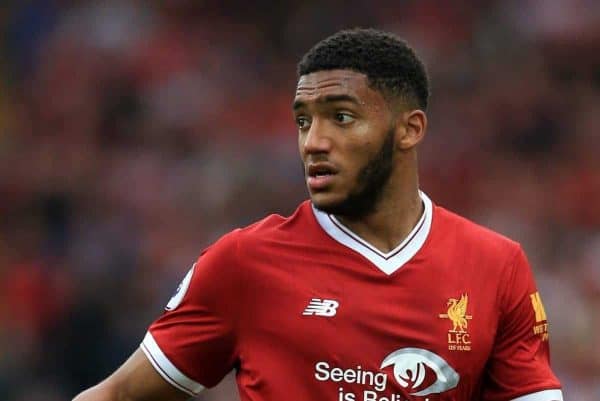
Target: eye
point(302, 122)
point(343, 118)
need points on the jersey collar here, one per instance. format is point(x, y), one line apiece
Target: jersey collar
point(386, 262)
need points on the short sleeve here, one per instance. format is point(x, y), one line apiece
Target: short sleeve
point(519, 367)
point(193, 344)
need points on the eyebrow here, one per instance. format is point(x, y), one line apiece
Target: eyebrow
point(327, 99)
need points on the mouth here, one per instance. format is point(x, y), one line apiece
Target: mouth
point(320, 170)
point(320, 175)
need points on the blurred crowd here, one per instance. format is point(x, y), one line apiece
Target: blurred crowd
point(134, 133)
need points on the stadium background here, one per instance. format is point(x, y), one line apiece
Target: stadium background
point(134, 133)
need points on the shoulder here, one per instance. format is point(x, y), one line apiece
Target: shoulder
point(277, 227)
point(492, 262)
point(474, 239)
point(228, 259)
point(268, 231)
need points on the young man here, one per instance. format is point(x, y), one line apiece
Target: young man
point(369, 291)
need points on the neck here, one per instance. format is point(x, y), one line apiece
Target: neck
point(392, 219)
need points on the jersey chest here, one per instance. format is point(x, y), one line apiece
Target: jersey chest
point(351, 328)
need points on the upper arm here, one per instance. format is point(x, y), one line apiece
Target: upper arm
point(135, 380)
point(193, 344)
point(519, 365)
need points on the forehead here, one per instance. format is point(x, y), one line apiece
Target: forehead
point(318, 86)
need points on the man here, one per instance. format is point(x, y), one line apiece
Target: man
point(369, 291)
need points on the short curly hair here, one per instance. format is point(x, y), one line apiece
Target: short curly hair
point(390, 64)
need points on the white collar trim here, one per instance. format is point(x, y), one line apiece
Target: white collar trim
point(386, 262)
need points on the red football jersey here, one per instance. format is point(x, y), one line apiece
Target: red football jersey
point(304, 309)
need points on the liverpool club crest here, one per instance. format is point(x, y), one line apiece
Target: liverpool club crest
point(458, 335)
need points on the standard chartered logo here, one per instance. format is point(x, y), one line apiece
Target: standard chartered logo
point(410, 369)
point(418, 371)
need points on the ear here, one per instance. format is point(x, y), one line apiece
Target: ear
point(411, 127)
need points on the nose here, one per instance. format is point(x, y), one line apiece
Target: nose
point(315, 140)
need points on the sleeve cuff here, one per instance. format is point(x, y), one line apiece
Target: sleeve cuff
point(546, 395)
point(168, 371)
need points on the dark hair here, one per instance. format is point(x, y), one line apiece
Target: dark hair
point(390, 64)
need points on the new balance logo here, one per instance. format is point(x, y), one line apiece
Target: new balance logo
point(321, 307)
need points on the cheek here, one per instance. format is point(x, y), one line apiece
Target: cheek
point(301, 145)
point(357, 158)
point(360, 143)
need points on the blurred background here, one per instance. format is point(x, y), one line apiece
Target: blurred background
point(135, 133)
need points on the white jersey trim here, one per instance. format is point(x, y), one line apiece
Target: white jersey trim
point(166, 369)
point(546, 395)
point(386, 262)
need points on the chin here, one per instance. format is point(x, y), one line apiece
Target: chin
point(351, 205)
point(339, 206)
point(326, 202)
